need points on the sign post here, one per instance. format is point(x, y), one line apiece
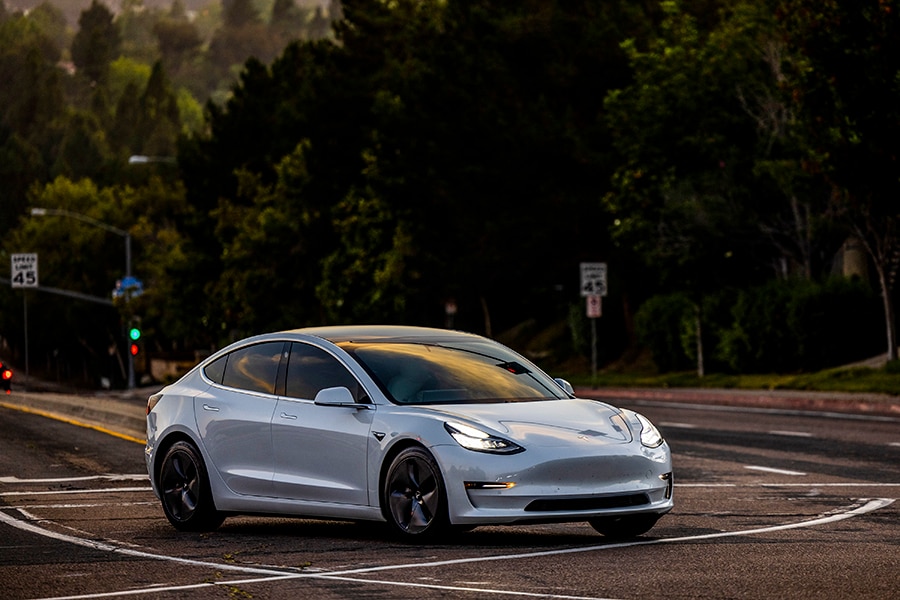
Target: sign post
point(24, 274)
point(593, 288)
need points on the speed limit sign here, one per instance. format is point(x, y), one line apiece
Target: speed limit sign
point(593, 279)
point(24, 269)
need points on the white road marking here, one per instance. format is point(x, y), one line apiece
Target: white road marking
point(803, 434)
point(95, 505)
point(678, 425)
point(776, 471)
point(894, 444)
point(137, 477)
point(764, 484)
point(861, 507)
point(59, 492)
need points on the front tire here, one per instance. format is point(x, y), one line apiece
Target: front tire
point(185, 492)
point(414, 498)
point(625, 526)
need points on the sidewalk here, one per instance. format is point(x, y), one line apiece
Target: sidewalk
point(882, 405)
point(122, 412)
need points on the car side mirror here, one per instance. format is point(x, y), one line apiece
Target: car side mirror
point(565, 385)
point(335, 396)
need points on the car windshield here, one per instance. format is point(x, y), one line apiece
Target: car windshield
point(473, 372)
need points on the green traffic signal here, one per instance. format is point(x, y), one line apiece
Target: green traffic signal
point(134, 333)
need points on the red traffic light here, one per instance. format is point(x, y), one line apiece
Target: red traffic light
point(6, 374)
point(135, 349)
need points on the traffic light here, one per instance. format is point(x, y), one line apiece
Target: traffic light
point(134, 334)
point(5, 378)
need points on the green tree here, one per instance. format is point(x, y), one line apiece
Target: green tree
point(160, 122)
point(125, 134)
point(287, 21)
point(83, 150)
point(243, 35)
point(31, 97)
point(136, 25)
point(272, 247)
point(847, 88)
point(52, 23)
point(31, 107)
point(466, 133)
point(685, 195)
point(97, 42)
point(178, 40)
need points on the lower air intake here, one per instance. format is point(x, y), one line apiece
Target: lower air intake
point(572, 504)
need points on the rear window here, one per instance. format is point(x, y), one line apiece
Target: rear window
point(252, 368)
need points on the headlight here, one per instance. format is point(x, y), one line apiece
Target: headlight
point(479, 441)
point(650, 435)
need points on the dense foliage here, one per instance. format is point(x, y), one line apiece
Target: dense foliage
point(428, 154)
point(782, 326)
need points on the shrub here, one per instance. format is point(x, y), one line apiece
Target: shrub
point(779, 327)
point(660, 325)
point(785, 326)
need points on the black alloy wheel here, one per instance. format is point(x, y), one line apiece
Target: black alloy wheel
point(184, 486)
point(414, 496)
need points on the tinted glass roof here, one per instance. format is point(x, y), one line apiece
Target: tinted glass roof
point(353, 333)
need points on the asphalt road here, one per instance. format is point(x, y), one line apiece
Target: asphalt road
point(769, 503)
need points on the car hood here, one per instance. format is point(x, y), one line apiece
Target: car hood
point(546, 423)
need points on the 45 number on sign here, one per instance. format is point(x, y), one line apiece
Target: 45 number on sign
point(24, 270)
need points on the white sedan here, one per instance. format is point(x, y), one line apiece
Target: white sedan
point(426, 429)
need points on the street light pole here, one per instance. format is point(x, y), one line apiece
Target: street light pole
point(59, 212)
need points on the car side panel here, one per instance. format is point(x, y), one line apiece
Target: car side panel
point(320, 451)
point(235, 428)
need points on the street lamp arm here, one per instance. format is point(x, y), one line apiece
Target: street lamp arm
point(59, 212)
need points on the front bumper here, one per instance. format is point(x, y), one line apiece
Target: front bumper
point(557, 486)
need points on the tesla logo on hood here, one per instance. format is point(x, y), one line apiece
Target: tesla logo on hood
point(588, 432)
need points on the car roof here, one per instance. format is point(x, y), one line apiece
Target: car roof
point(392, 333)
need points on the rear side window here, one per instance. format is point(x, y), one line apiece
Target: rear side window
point(253, 368)
point(216, 369)
point(311, 369)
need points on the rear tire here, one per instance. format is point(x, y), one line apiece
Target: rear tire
point(625, 526)
point(184, 488)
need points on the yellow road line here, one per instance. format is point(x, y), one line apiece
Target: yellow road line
point(49, 415)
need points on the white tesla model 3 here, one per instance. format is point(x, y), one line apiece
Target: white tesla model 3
point(426, 429)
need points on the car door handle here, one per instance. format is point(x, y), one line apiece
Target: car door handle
point(210, 408)
point(284, 415)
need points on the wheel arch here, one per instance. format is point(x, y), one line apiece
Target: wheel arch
point(386, 462)
point(167, 442)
